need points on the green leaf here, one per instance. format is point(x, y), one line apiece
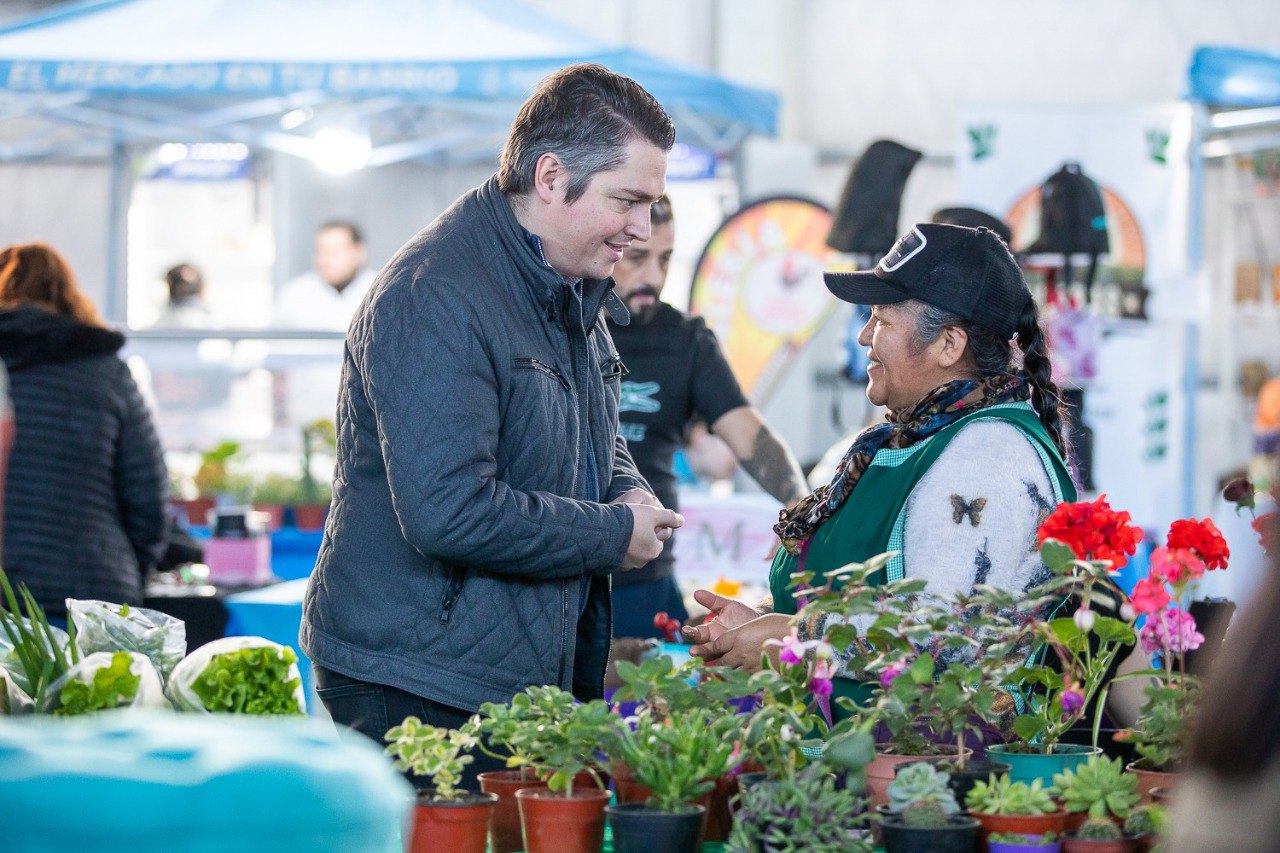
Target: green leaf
point(1057, 556)
point(922, 669)
point(249, 681)
point(110, 687)
point(1027, 726)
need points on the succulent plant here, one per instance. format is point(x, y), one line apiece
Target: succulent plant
point(928, 813)
point(1099, 787)
point(1144, 820)
point(1000, 795)
point(1099, 829)
point(918, 781)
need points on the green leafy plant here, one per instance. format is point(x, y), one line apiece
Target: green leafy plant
point(1162, 732)
point(806, 812)
point(316, 435)
point(1099, 829)
point(1145, 820)
point(1099, 787)
point(276, 490)
point(553, 735)
point(37, 653)
point(432, 751)
point(105, 627)
point(678, 758)
point(213, 477)
point(109, 687)
point(249, 681)
point(928, 814)
point(1000, 795)
point(918, 782)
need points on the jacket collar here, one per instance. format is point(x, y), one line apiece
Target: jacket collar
point(30, 336)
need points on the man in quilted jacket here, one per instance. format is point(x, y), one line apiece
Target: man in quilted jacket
point(482, 496)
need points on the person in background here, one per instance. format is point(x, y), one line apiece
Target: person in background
point(676, 374)
point(186, 308)
point(326, 298)
point(967, 465)
point(482, 497)
point(84, 497)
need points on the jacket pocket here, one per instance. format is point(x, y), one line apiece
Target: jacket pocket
point(542, 367)
point(452, 591)
point(612, 369)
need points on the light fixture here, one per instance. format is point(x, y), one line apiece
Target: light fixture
point(340, 150)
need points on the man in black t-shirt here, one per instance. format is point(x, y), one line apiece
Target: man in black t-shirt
point(676, 374)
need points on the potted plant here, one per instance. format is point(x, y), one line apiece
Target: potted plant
point(1098, 836)
point(272, 494)
point(1144, 825)
point(1083, 545)
point(1013, 842)
point(212, 480)
point(678, 759)
point(1161, 733)
point(501, 725)
point(806, 813)
point(559, 740)
point(1099, 789)
point(446, 818)
point(1003, 805)
point(314, 497)
point(924, 817)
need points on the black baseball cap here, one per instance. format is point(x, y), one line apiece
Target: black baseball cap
point(967, 271)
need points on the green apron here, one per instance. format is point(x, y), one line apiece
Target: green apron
point(872, 520)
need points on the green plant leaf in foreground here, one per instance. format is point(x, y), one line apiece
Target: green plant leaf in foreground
point(110, 687)
point(249, 681)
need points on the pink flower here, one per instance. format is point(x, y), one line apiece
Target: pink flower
point(1072, 701)
point(794, 649)
point(1173, 632)
point(1176, 565)
point(820, 686)
point(788, 655)
point(1149, 596)
point(891, 672)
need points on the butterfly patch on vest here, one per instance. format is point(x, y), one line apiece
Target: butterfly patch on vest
point(973, 509)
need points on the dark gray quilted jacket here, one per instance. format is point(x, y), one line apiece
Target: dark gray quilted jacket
point(84, 499)
point(458, 539)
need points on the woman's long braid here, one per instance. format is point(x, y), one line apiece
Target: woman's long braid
point(1046, 399)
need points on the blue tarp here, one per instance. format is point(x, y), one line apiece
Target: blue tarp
point(1232, 77)
point(472, 50)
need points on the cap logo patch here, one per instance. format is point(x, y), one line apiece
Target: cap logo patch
point(908, 246)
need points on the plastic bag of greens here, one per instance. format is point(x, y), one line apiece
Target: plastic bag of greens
point(105, 627)
point(238, 675)
point(105, 680)
point(13, 699)
point(11, 661)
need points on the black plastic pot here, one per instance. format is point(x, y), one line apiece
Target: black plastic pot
point(746, 780)
point(637, 828)
point(962, 781)
point(960, 835)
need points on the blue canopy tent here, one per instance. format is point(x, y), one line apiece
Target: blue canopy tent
point(432, 81)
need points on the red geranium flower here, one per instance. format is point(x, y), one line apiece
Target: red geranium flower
point(1093, 531)
point(1203, 538)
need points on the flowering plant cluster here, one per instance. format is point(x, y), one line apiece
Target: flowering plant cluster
point(1192, 547)
point(1094, 532)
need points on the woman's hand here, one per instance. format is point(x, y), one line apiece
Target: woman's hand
point(725, 615)
point(740, 647)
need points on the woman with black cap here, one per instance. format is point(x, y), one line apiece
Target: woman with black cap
point(969, 462)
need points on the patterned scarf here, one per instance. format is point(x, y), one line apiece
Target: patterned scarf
point(940, 408)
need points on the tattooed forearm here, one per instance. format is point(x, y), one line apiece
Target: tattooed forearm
point(774, 468)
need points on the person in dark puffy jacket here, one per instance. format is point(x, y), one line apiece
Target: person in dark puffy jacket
point(84, 497)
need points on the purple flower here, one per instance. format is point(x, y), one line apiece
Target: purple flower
point(820, 686)
point(1173, 632)
point(788, 655)
point(1072, 701)
point(891, 672)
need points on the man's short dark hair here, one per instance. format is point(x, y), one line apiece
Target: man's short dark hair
point(185, 281)
point(357, 236)
point(585, 115)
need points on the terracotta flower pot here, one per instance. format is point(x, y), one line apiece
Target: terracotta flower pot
point(1021, 824)
point(1071, 844)
point(1148, 779)
point(196, 510)
point(275, 515)
point(504, 825)
point(881, 770)
point(1161, 796)
point(625, 785)
point(457, 825)
point(554, 823)
point(310, 516)
point(719, 820)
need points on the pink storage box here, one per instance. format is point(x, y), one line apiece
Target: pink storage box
point(239, 562)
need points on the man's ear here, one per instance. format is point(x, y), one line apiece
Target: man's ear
point(549, 178)
point(955, 341)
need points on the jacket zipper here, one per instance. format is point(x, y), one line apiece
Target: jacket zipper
point(456, 578)
point(534, 364)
